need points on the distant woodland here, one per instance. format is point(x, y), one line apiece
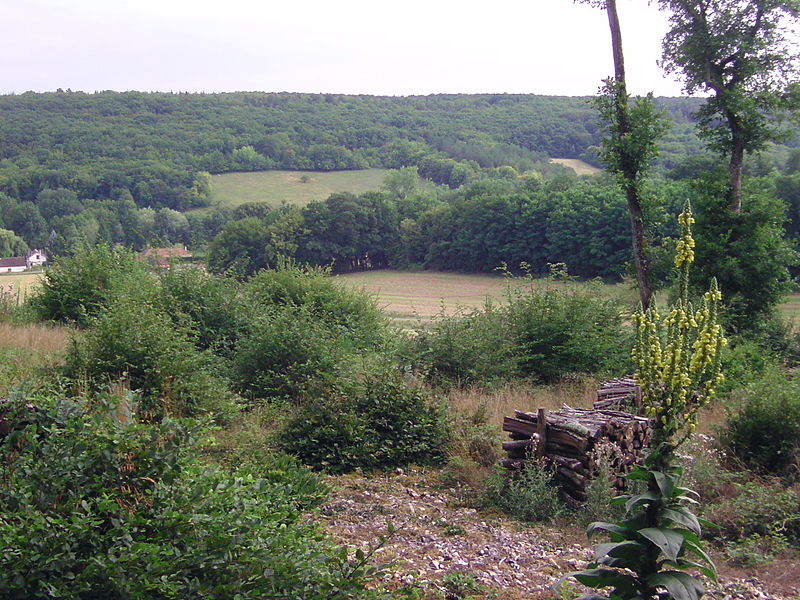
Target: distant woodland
point(473, 188)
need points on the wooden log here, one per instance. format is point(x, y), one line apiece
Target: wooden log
point(578, 481)
point(541, 432)
point(519, 426)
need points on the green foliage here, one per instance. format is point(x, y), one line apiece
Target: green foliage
point(529, 495)
point(11, 244)
point(746, 252)
point(558, 332)
point(461, 585)
point(287, 353)
point(538, 334)
point(764, 431)
point(464, 349)
point(384, 423)
point(99, 507)
point(210, 306)
point(631, 146)
point(763, 508)
point(650, 550)
point(75, 289)
point(133, 341)
point(348, 312)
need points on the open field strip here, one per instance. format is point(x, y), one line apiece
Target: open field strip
point(580, 167)
point(790, 309)
point(18, 285)
point(292, 187)
point(421, 296)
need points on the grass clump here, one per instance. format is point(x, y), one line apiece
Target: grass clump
point(530, 495)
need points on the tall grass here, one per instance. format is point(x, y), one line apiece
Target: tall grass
point(34, 338)
point(497, 402)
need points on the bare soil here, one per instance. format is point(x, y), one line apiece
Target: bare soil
point(438, 536)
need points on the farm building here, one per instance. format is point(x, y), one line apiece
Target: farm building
point(17, 264)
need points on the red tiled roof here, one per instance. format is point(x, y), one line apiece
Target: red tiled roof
point(16, 261)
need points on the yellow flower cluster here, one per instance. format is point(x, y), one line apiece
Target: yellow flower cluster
point(678, 357)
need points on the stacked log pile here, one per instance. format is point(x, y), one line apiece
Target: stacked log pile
point(569, 441)
point(619, 394)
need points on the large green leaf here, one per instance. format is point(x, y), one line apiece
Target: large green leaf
point(620, 532)
point(665, 483)
point(669, 541)
point(645, 498)
point(681, 586)
point(600, 578)
point(624, 554)
point(690, 564)
point(683, 516)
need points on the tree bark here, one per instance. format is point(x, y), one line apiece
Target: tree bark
point(736, 167)
point(632, 186)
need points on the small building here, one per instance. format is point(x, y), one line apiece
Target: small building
point(162, 257)
point(18, 264)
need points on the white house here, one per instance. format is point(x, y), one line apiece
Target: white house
point(18, 264)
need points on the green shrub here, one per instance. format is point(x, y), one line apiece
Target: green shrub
point(383, 423)
point(762, 508)
point(743, 362)
point(74, 289)
point(135, 342)
point(352, 314)
point(542, 335)
point(96, 508)
point(210, 305)
point(764, 432)
point(286, 353)
point(559, 332)
point(464, 349)
point(530, 495)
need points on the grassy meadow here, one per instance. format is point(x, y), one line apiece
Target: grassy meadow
point(580, 167)
point(418, 297)
point(16, 286)
point(292, 187)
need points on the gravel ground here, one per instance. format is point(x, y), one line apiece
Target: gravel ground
point(437, 536)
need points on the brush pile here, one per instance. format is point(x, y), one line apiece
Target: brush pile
point(570, 442)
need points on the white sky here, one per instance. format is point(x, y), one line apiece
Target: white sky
point(345, 46)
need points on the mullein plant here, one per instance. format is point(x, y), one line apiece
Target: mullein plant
point(677, 360)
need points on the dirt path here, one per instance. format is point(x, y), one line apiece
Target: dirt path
point(438, 539)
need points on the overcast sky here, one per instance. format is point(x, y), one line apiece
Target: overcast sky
point(345, 46)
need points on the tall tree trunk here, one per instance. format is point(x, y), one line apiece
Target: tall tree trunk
point(736, 171)
point(632, 185)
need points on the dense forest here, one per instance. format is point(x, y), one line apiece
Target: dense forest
point(125, 167)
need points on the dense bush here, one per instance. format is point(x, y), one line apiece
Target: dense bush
point(132, 340)
point(757, 508)
point(538, 334)
point(210, 305)
point(559, 332)
point(287, 353)
point(764, 432)
point(75, 289)
point(95, 507)
point(349, 313)
point(470, 348)
point(383, 423)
